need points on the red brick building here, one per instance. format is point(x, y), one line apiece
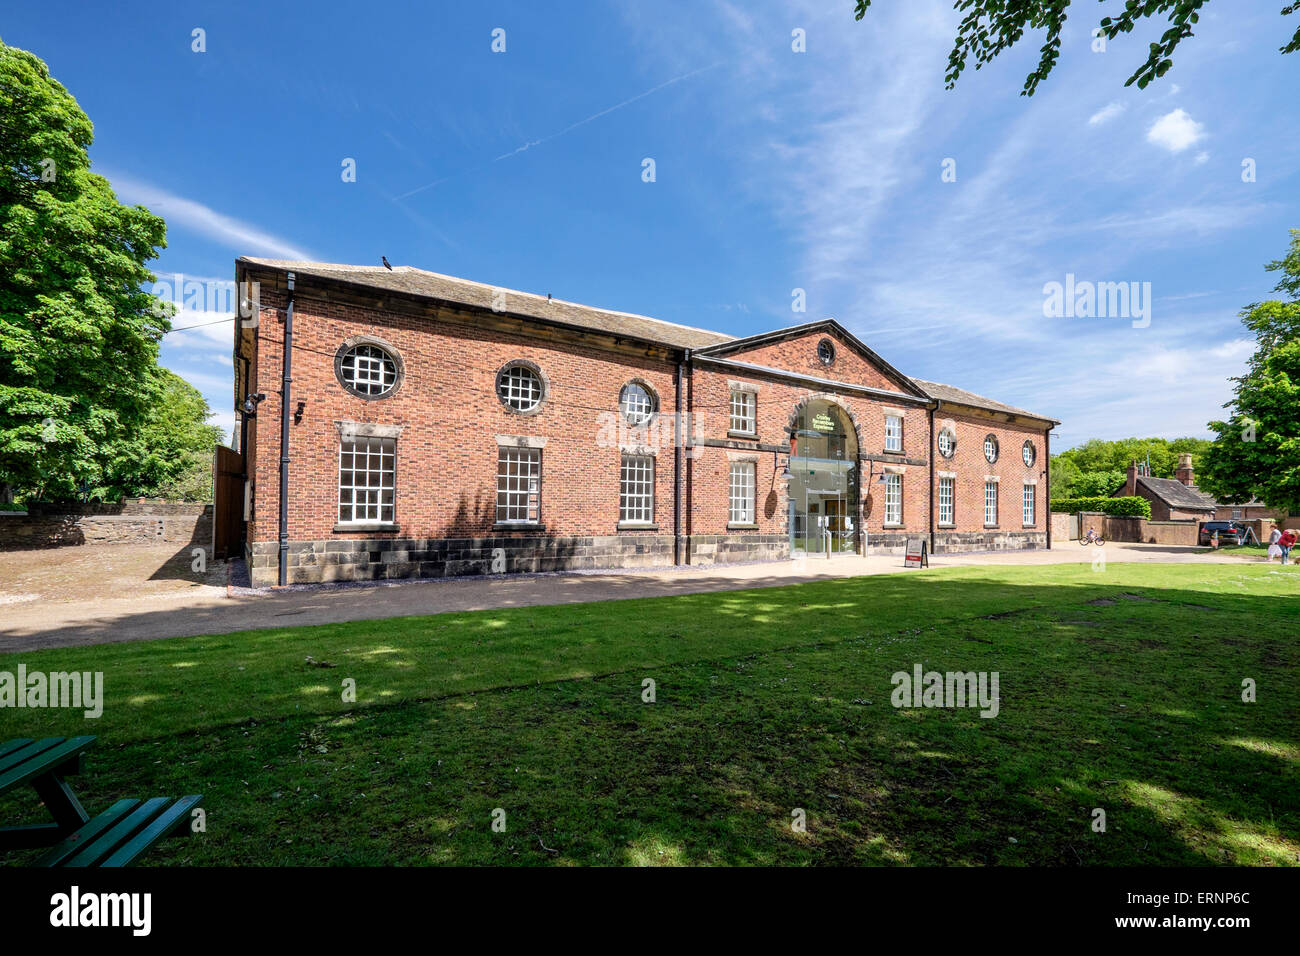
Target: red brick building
point(438, 426)
point(1178, 498)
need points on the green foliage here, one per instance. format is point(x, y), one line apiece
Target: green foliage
point(989, 27)
point(1257, 450)
point(78, 333)
point(1096, 455)
point(1127, 507)
point(1097, 484)
point(170, 454)
point(1064, 473)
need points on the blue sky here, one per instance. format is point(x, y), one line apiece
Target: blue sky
point(775, 170)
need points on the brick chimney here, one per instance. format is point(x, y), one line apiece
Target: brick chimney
point(1131, 488)
point(1184, 472)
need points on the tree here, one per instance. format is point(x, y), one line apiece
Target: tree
point(1095, 455)
point(78, 333)
point(991, 26)
point(1097, 484)
point(170, 454)
point(1256, 453)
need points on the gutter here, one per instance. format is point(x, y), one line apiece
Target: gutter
point(285, 387)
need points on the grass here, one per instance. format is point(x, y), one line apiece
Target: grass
point(1119, 690)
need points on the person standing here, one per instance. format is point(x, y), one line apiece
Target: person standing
point(1274, 549)
point(1286, 543)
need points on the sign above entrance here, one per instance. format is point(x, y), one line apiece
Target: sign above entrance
point(823, 423)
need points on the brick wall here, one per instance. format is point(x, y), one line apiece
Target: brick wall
point(450, 420)
point(970, 469)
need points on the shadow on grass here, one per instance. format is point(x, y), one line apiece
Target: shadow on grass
point(1122, 696)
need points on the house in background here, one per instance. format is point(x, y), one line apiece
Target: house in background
point(1178, 498)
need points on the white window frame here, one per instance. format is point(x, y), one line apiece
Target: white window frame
point(519, 492)
point(893, 433)
point(744, 412)
point(945, 433)
point(1028, 453)
point(369, 370)
point(992, 448)
point(637, 412)
point(948, 502)
point(636, 490)
point(514, 394)
point(990, 504)
point(893, 499)
point(378, 481)
point(741, 486)
point(1028, 506)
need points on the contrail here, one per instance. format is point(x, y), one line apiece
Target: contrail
point(568, 129)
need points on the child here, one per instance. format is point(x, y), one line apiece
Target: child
point(1274, 549)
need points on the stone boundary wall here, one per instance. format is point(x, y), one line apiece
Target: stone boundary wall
point(178, 523)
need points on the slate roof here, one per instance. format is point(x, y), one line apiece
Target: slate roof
point(1176, 494)
point(950, 393)
point(433, 285)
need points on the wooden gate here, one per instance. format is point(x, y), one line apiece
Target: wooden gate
point(227, 504)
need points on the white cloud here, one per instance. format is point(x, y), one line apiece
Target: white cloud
point(1106, 114)
point(1202, 158)
point(1176, 131)
point(187, 213)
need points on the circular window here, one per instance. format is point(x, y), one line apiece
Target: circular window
point(637, 403)
point(368, 368)
point(991, 448)
point(520, 386)
point(1028, 453)
point(947, 443)
point(826, 351)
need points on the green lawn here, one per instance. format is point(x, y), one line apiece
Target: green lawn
point(1119, 690)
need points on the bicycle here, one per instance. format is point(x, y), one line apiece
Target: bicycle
point(1092, 537)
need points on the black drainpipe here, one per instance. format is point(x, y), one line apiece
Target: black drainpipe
point(1047, 483)
point(679, 436)
point(284, 437)
point(929, 457)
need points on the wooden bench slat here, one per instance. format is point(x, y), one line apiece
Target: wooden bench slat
point(42, 761)
point(79, 840)
point(31, 749)
point(9, 746)
point(105, 844)
point(170, 819)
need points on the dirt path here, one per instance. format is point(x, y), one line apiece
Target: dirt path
point(109, 593)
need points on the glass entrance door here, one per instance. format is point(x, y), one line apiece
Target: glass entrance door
point(823, 487)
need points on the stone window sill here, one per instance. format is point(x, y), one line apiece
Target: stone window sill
point(947, 527)
point(366, 526)
point(991, 527)
point(893, 526)
point(637, 526)
point(736, 526)
point(753, 436)
point(518, 526)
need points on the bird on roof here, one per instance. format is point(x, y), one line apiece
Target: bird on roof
point(386, 263)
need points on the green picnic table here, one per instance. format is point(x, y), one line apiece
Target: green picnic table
point(116, 837)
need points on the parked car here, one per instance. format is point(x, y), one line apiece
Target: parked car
point(1230, 532)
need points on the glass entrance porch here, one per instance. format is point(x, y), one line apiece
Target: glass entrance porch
point(823, 487)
